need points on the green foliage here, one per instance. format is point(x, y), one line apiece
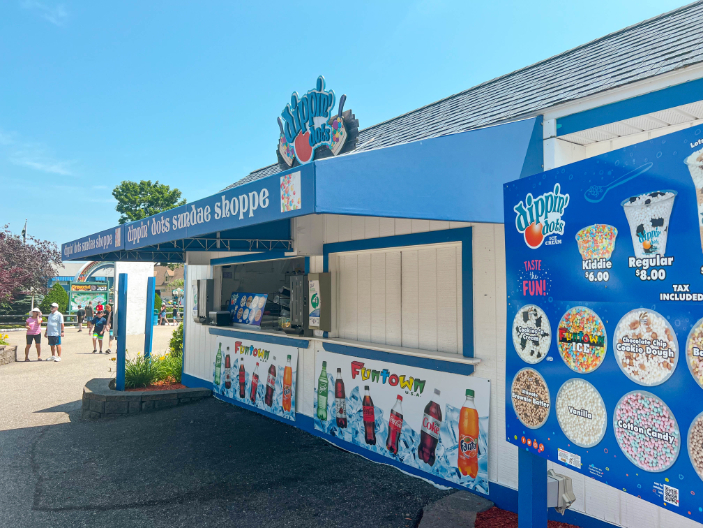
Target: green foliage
point(176, 344)
point(136, 201)
point(157, 302)
point(56, 295)
point(178, 283)
point(143, 371)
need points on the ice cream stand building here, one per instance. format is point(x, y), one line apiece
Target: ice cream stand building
point(357, 288)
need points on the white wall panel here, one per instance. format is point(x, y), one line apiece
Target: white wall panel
point(358, 229)
point(363, 276)
point(394, 325)
point(427, 299)
point(403, 226)
point(410, 272)
point(448, 325)
point(372, 227)
point(378, 298)
point(386, 227)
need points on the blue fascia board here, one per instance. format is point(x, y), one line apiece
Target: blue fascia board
point(261, 337)
point(254, 257)
point(678, 95)
point(457, 177)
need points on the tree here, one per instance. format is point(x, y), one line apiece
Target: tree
point(56, 295)
point(141, 200)
point(157, 302)
point(178, 283)
point(25, 265)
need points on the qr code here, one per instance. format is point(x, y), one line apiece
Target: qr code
point(671, 495)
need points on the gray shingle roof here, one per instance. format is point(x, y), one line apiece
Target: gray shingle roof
point(661, 44)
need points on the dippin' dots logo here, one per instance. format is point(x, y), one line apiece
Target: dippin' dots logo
point(540, 217)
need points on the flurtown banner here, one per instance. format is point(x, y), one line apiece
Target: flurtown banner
point(418, 417)
point(260, 375)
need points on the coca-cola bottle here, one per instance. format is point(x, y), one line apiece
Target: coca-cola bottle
point(369, 418)
point(395, 426)
point(340, 400)
point(242, 379)
point(270, 385)
point(254, 383)
point(228, 374)
point(429, 437)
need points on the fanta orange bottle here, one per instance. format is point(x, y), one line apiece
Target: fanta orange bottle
point(468, 437)
point(287, 386)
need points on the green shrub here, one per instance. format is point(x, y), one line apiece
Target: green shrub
point(176, 344)
point(56, 295)
point(157, 302)
point(171, 368)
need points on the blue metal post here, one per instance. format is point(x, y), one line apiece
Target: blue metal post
point(532, 490)
point(149, 325)
point(121, 330)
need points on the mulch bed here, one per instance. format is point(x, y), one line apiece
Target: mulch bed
point(497, 518)
point(161, 385)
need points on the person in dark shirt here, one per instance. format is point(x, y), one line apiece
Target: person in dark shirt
point(80, 314)
point(108, 326)
point(99, 323)
point(89, 316)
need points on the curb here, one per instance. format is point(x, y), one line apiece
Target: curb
point(100, 400)
point(458, 509)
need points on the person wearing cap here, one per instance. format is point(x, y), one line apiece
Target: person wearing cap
point(33, 326)
point(99, 323)
point(80, 314)
point(54, 331)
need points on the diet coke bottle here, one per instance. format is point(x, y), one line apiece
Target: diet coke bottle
point(369, 418)
point(242, 379)
point(431, 422)
point(270, 385)
point(340, 400)
point(395, 425)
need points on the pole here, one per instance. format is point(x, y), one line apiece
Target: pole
point(532, 490)
point(121, 330)
point(149, 325)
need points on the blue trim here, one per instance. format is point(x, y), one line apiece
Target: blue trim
point(678, 95)
point(463, 235)
point(149, 322)
point(307, 265)
point(183, 322)
point(121, 331)
point(534, 156)
point(503, 497)
point(261, 337)
point(256, 257)
point(532, 480)
point(401, 359)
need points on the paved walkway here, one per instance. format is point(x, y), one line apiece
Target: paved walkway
point(206, 464)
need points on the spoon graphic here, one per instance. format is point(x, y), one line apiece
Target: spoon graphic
point(596, 193)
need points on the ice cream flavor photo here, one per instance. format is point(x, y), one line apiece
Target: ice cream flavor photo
point(695, 167)
point(532, 334)
point(646, 347)
point(582, 340)
point(648, 215)
point(596, 241)
point(581, 412)
point(694, 352)
point(530, 396)
point(647, 431)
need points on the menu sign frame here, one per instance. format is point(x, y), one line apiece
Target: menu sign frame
point(604, 276)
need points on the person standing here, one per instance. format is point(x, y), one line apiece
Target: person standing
point(175, 315)
point(54, 331)
point(162, 316)
point(80, 314)
point(33, 326)
point(99, 307)
point(98, 330)
point(108, 326)
point(89, 316)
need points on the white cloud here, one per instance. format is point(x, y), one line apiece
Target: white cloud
point(57, 15)
point(32, 155)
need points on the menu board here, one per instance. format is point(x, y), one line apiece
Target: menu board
point(247, 308)
point(604, 371)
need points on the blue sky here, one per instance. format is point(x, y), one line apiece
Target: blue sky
point(187, 93)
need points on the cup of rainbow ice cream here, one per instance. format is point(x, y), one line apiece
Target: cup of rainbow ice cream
point(648, 215)
point(695, 167)
point(596, 241)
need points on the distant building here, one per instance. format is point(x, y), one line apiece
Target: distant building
point(165, 278)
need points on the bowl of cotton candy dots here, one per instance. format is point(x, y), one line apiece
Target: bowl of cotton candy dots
point(647, 431)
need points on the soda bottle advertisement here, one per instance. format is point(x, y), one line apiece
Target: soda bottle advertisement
point(604, 363)
point(413, 416)
point(255, 374)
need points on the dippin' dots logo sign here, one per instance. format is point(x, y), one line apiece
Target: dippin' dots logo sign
point(537, 218)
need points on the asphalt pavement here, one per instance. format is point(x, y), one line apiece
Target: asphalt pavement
point(205, 464)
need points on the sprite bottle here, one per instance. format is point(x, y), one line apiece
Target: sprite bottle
point(322, 387)
point(218, 366)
